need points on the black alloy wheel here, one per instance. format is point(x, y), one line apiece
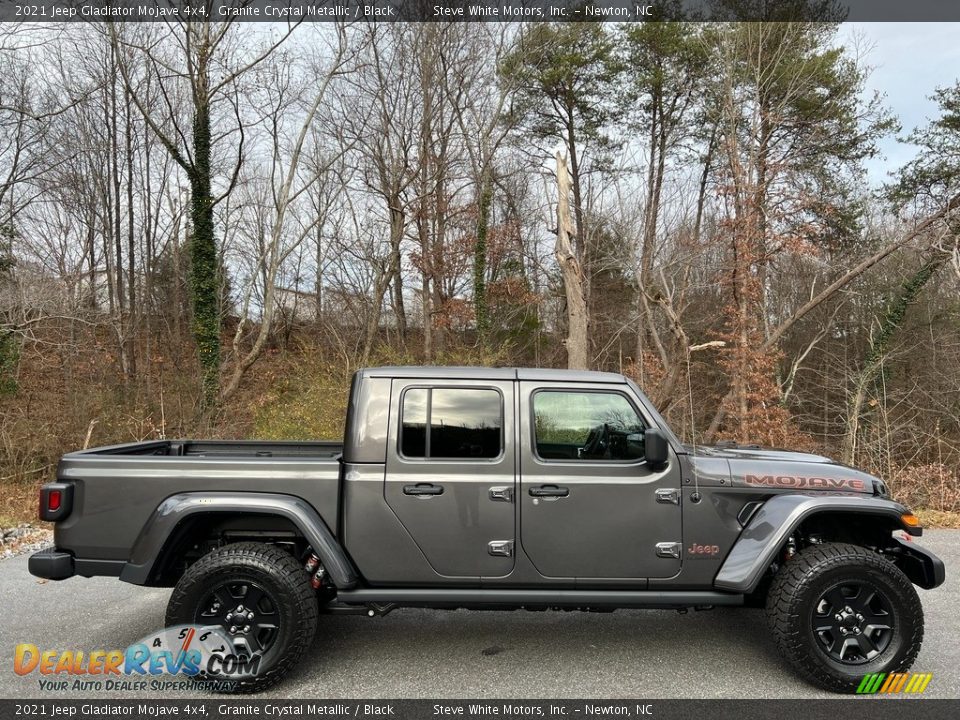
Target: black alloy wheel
point(854, 622)
point(246, 612)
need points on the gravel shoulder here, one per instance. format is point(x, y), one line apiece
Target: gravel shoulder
point(23, 539)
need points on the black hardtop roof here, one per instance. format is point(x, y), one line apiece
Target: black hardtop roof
point(444, 372)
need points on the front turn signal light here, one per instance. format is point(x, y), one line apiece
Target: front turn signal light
point(910, 520)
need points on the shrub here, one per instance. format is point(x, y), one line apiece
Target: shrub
point(933, 486)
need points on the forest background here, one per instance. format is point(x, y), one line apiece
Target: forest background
point(206, 227)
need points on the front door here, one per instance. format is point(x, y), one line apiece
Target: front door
point(589, 504)
point(451, 473)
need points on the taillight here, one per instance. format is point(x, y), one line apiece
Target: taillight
point(56, 501)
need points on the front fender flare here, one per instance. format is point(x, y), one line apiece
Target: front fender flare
point(176, 508)
point(773, 523)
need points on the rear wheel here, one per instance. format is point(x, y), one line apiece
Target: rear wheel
point(260, 598)
point(839, 612)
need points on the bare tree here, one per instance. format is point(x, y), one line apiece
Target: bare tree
point(198, 60)
point(288, 187)
point(481, 110)
point(385, 131)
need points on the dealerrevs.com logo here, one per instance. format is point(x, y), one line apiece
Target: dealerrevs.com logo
point(178, 657)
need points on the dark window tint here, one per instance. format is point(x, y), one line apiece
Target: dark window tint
point(413, 438)
point(463, 423)
point(587, 426)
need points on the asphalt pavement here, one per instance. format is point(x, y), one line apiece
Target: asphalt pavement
point(723, 653)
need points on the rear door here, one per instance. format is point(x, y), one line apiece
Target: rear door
point(590, 507)
point(451, 473)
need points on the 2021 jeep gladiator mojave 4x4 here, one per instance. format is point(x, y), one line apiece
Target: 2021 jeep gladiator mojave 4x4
point(497, 489)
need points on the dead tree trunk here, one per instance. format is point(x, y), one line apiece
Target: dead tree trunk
point(576, 342)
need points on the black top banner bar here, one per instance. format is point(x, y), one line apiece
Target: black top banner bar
point(477, 10)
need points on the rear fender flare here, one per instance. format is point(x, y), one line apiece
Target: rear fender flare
point(776, 520)
point(175, 509)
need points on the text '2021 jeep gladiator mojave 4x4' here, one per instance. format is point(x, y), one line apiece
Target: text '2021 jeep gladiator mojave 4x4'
point(496, 489)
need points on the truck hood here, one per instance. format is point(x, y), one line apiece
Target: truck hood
point(757, 453)
point(752, 466)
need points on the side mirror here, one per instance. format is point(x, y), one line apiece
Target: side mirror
point(656, 450)
point(651, 446)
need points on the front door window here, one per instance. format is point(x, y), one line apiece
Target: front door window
point(586, 426)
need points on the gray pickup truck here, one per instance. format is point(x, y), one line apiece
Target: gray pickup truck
point(497, 489)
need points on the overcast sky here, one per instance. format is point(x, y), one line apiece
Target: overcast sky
point(909, 61)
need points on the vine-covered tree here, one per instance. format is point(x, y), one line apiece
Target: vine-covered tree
point(200, 66)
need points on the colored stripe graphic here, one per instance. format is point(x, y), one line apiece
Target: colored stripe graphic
point(863, 689)
point(871, 683)
point(894, 683)
point(900, 683)
point(891, 681)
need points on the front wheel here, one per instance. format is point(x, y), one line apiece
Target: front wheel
point(259, 597)
point(839, 612)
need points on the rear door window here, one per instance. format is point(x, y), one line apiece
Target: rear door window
point(451, 423)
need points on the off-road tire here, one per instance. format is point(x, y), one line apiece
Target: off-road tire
point(802, 581)
point(281, 575)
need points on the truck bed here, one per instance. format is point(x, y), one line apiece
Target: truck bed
point(124, 484)
point(221, 449)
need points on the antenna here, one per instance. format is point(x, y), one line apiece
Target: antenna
point(693, 430)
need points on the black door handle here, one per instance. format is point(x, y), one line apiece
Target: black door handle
point(549, 491)
point(423, 489)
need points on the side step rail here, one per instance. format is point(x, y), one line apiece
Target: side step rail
point(442, 597)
